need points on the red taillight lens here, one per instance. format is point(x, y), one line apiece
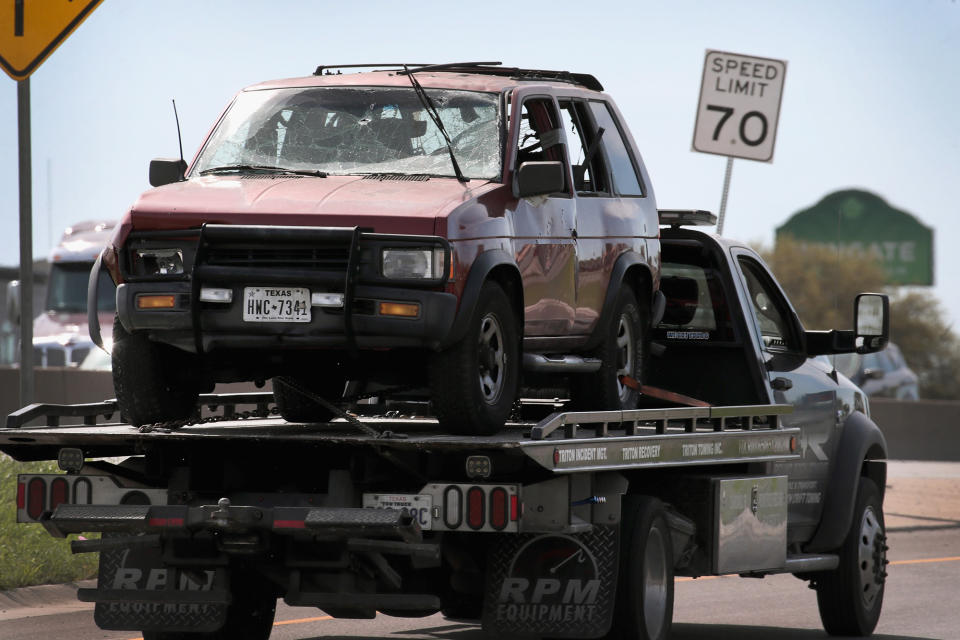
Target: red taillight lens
point(514, 508)
point(475, 508)
point(36, 498)
point(59, 492)
point(21, 495)
point(498, 509)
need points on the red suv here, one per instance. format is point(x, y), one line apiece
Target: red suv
point(438, 231)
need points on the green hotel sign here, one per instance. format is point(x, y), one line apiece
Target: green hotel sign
point(863, 222)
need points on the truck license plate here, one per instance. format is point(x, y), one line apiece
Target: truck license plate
point(419, 506)
point(276, 304)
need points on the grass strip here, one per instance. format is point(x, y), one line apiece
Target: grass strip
point(28, 554)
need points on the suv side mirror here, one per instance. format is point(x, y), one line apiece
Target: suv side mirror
point(166, 171)
point(539, 178)
point(13, 302)
point(871, 332)
point(871, 321)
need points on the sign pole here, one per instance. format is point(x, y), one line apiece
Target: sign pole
point(723, 198)
point(26, 243)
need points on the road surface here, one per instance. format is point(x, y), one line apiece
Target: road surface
point(923, 519)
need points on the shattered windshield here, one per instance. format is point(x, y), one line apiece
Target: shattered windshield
point(357, 130)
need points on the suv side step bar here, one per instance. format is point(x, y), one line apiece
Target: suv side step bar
point(543, 363)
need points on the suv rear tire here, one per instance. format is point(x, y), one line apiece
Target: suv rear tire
point(622, 351)
point(474, 383)
point(150, 379)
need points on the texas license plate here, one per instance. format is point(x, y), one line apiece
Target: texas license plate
point(276, 304)
point(418, 506)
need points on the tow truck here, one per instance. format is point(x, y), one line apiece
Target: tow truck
point(748, 456)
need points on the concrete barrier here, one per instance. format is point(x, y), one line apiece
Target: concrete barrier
point(925, 430)
point(65, 385)
point(60, 385)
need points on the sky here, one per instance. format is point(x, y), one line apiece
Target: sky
point(870, 96)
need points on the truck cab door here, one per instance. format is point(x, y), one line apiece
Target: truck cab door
point(793, 379)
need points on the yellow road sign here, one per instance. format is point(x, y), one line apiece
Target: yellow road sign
point(30, 30)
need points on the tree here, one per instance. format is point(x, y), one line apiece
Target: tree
point(822, 284)
point(932, 349)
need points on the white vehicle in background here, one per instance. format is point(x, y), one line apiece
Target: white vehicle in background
point(60, 332)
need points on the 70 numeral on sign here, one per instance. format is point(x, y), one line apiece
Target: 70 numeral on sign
point(744, 121)
point(18, 18)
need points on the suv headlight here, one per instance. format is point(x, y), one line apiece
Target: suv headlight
point(420, 264)
point(158, 262)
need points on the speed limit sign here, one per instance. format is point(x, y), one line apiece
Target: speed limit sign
point(739, 105)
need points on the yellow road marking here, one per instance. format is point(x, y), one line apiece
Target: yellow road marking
point(927, 560)
point(283, 622)
point(680, 579)
point(302, 620)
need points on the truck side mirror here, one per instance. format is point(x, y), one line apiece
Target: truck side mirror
point(13, 302)
point(539, 178)
point(166, 171)
point(871, 321)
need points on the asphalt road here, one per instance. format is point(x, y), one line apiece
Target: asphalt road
point(922, 509)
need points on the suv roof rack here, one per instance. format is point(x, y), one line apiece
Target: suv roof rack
point(486, 68)
point(686, 218)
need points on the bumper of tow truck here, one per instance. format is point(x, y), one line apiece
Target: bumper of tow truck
point(332, 522)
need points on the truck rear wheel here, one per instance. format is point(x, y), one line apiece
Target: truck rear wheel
point(149, 379)
point(621, 352)
point(295, 406)
point(473, 384)
point(644, 607)
point(850, 597)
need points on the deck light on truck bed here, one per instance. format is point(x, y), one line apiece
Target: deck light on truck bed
point(70, 459)
point(478, 467)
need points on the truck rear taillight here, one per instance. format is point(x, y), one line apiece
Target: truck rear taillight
point(474, 507)
point(82, 491)
point(453, 507)
point(59, 493)
point(498, 509)
point(476, 515)
point(38, 494)
point(36, 498)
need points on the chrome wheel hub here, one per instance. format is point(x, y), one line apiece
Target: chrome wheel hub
point(492, 358)
point(654, 584)
point(626, 351)
point(872, 556)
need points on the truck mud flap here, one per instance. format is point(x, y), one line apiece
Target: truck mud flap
point(556, 585)
point(136, 591)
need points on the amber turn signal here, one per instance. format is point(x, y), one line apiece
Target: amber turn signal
point(399, 309)
point(156, 302)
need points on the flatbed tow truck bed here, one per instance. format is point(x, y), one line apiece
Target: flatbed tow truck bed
point(563, 442)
